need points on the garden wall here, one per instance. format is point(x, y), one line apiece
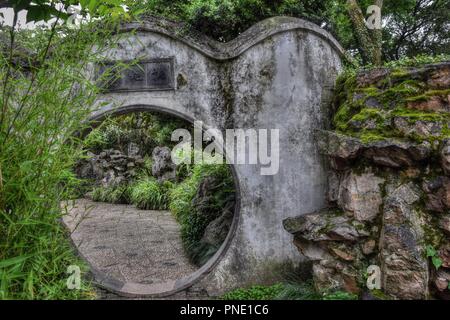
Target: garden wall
point(277, 75)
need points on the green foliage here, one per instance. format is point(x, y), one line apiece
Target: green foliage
point(286, 291)
point(95, 140)
point(193, 220)
point(417, 60)
point(44, 98)
point(255, 293)
point(298, 291)
point(339, 295)
point(119, 194)
point(149, 194)
point(223, 20)
point(147, 130)
point(433, 254)
point(42, 10)
point(407, 27)
point(370, 112)
point(406, 33)
point(416, 28)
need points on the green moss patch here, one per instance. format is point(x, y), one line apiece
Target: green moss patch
point(367, 112)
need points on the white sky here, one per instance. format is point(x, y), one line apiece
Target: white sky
point(8, 15)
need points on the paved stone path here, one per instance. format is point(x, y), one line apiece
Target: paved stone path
point(131, 245)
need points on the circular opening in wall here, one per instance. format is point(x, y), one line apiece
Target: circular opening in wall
point(145, 225)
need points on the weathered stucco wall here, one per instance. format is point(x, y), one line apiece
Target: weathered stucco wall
point(277, 75)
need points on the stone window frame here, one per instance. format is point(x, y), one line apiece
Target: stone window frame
point(171, 86)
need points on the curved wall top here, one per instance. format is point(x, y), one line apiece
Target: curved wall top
point(228, 50)
point(279, 74)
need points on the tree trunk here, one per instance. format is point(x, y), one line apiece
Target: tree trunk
point(369, 40)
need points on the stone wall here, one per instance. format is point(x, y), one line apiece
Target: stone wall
point(389, 186)
point(109, 167)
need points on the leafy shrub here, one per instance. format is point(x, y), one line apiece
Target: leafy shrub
point(255, 293)
point(432, 253)
point(119, 194)
point(223, 20)
point(95, 140)
point(149, 194)
point(76, 188)
point(193, 221)
point(146, 129)
point(417, 60)
point(147, 167)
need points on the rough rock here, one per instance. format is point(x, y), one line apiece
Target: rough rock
point(369, 246)
point(418, 128)
point(396, 153)
point(366, 78)
point(372, 102)
point(311, 250)
point(204, 195)
point(440, 79)
point(445, 156)
point(329, 275)
point(163, 168)
point(442, 280)
point(343, 252)
point(340, 147)
point(110, 167)
point(333, 186)
point(133, 149)
point(434, 184)
point(368, 124)
point(409, 192)
point(434, 203)
point(444, 224)
point(217, 230)
point(444, 255)
point(433, 104)
point(403, 262)
point(323, 226)
point(361, 195)
point(203, 203)
point(415, 187)
point(437, 194)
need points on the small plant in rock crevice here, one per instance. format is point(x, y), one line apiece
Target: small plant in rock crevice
point(433, 254)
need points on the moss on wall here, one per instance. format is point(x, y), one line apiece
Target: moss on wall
point(366, 103)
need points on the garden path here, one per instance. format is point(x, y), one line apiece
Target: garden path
point(128, 244)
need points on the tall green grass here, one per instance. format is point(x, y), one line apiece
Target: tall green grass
point(149, 194)
point(119, 194)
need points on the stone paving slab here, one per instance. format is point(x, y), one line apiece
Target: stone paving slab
point(131, 245)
